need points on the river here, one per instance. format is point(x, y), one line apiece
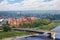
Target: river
point(57, 29)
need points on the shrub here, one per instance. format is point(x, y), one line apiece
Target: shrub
point(6, 28)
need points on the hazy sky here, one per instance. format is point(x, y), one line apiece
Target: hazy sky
point(29, 5)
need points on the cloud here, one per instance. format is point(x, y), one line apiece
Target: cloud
point(47, 0)
point(14, 1)
point(31, 5)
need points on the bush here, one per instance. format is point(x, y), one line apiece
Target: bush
point(6, 28)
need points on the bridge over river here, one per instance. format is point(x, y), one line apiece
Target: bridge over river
point(39, 31)
point(36, 30)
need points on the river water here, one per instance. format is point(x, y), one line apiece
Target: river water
point(40, 36)
point(33, 38)
point(57, 29)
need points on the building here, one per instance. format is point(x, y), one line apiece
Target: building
point(23, 20)
point(14, 22)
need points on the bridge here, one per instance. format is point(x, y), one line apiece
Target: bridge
point(39, 31)
point(36, 30)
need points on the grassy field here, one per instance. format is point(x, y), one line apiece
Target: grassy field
point(49, 27)
point(12, 34)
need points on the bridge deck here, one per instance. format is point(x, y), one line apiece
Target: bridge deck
point(35, 30)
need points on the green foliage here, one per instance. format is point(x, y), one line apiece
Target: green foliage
point(13, 26)
point(6, 28)
point(12, 34)
point(24, 25)
point(36, 23)
point(41, 22)
point(48, 27)
point(46, 21)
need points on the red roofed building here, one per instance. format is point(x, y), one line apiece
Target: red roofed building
point(24, 19)
point(12, 21)
point(33, 18)
point(17, 22)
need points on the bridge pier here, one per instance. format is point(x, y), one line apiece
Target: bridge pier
point(52, 36)
point(49, 35)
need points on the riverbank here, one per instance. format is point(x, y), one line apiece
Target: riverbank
point(4, 35)
point(49, 26)
point(17, 37)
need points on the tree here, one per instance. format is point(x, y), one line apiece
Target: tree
point(6, 28)
point(37, 23)
point(46, 21)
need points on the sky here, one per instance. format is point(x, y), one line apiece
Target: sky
point(11, 5)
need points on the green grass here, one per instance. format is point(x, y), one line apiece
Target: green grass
point(49, 27)
point(12, 34)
